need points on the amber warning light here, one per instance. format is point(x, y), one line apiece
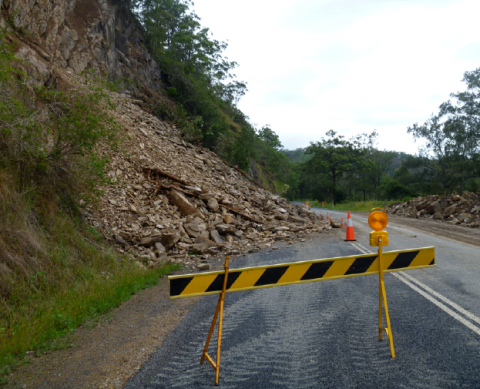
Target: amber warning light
point(378, 220)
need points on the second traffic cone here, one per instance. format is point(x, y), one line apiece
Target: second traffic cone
point(350, 233)
point(343, 224)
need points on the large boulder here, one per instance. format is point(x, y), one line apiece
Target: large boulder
point(195, 229)
point(167, 240)
point(422, 204)
point(213, 205)
point(170, 238)
point(450, 210)
point(296, 219)
point(184, 206)
point(281, 216)
point(225, 229)
point(464, 218)
point(215, 236)
point(149, 241)
point(433, 208)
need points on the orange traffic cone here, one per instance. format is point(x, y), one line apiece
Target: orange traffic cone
point(321, 214)
point(343, 224)
point(350, 233)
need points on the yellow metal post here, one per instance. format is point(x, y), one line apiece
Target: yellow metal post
point(383, 295)
point(218, 313)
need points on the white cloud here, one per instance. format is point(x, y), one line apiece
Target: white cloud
point(352, 65)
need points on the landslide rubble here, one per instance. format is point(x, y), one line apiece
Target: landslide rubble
point(453, 209)
point(173, 201)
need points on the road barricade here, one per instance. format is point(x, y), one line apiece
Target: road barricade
point(200, 284)
point(225, 281)
point(221, 282)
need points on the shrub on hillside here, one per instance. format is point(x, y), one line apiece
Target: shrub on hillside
point(46, 134)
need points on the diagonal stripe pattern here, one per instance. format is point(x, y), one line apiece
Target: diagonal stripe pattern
point(299, 272)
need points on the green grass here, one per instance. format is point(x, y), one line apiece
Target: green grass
point(85, 279)
point(42, 323)
point(352, 205)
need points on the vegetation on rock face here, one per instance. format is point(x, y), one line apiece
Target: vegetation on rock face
point(195, 73)
point(56, 271)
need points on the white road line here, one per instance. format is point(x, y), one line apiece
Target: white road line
point(406, 278)
point(470, 315)
point(360, 248)
point(440, 305)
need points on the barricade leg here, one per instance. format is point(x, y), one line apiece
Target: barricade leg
point(219, 314)
point(380, 309)
point(382, 297)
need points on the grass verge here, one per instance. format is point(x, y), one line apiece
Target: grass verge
point(80, 279)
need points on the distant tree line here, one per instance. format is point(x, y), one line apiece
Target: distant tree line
point(335, 169)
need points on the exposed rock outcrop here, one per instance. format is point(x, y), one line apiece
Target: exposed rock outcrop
point(80, 35)
point(168, 199)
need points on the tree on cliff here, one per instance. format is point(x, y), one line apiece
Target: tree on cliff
point(194, 70)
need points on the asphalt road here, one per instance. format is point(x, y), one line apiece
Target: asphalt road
point(324, 334)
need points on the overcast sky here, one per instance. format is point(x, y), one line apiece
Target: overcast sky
point(348, 65)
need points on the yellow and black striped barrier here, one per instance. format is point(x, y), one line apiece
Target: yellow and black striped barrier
point(221, 282)
point(299, 272)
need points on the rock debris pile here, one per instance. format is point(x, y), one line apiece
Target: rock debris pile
point(454, 209)
point(174, 201)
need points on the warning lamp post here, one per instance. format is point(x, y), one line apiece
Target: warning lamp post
point(378, 220)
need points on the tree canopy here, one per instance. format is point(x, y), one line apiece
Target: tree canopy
point(334, 156)
point(452, 149)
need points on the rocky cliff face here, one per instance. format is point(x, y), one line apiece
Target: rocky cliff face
point(79, 35)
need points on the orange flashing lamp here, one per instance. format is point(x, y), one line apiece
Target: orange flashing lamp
point(378, 220)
